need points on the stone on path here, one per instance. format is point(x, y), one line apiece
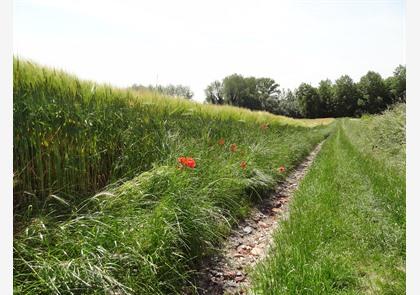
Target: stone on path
point(257, 251)
point(263, 224)
point(249, 243)
point(247, 230)
point(276, 210)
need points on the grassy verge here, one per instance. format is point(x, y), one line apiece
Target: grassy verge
point(72, 138)
point(346, 233)
point(382, 137)
point(105, 206)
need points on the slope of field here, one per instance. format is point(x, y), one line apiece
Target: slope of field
point(74, 137)
point(103, 204)
point(346, 232)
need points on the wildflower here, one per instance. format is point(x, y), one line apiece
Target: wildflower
point(190, 162)
point(221, 141)
point(264, 126)
point(187, 161)
point(282, 169)
point(233, 147)
point(243, 165)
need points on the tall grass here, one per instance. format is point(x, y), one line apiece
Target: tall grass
point(382, 137)
point(72, 137)
point(346, 233)
point(112, 212)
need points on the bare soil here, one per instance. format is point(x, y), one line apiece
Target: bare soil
point(249, 242)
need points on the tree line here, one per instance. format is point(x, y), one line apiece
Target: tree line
point(169, 90)
point(372, 94)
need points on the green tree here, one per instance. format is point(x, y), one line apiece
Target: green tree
point(233, 89)
point(288, 104)
point(343, 98)
point(248, 92)
point(240, 91)
point(346, 95)
point(268, 91)
point(326, 97)
point(374, 93)
point(309, 101)
point(214, 93)
point(251, 98)
point(397, 83)
point(272, 105)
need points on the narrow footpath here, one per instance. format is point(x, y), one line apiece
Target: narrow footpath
point(227, 272)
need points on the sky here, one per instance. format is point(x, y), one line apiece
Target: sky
point(193, 43)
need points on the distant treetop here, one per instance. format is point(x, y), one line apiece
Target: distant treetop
point(372, 94)
point(170, 90)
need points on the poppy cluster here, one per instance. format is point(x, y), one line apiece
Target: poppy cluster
point(221, 141)
point(243, 165)
point(282, 169)
point(187, 162)
point(233, 147)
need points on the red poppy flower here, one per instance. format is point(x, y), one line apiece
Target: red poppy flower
point(190, 162)
point(282, 169)
point(264, 126)
point(243, 165)
point(187, 161)
point(221, 141)
point(233, 147)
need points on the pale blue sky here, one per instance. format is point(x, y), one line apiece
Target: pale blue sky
point(196, 42)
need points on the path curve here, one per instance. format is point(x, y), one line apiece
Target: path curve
point(227, 271)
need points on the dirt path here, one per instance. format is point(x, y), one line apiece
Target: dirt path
point(227, 272)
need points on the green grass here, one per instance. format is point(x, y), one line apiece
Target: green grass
point(346, 232)
point(382, 137)
point(101, 203)
point(72, 138)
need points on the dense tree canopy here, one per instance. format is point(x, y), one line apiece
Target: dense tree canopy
point(308, 99)
point(344, 97)
point(288, 105)
point(214, 93)
point(396, 84)
point(240, 91)
point(326, 97)
point(374, 93)
point(248, 92)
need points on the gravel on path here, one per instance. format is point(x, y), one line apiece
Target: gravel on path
point(249, 242)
